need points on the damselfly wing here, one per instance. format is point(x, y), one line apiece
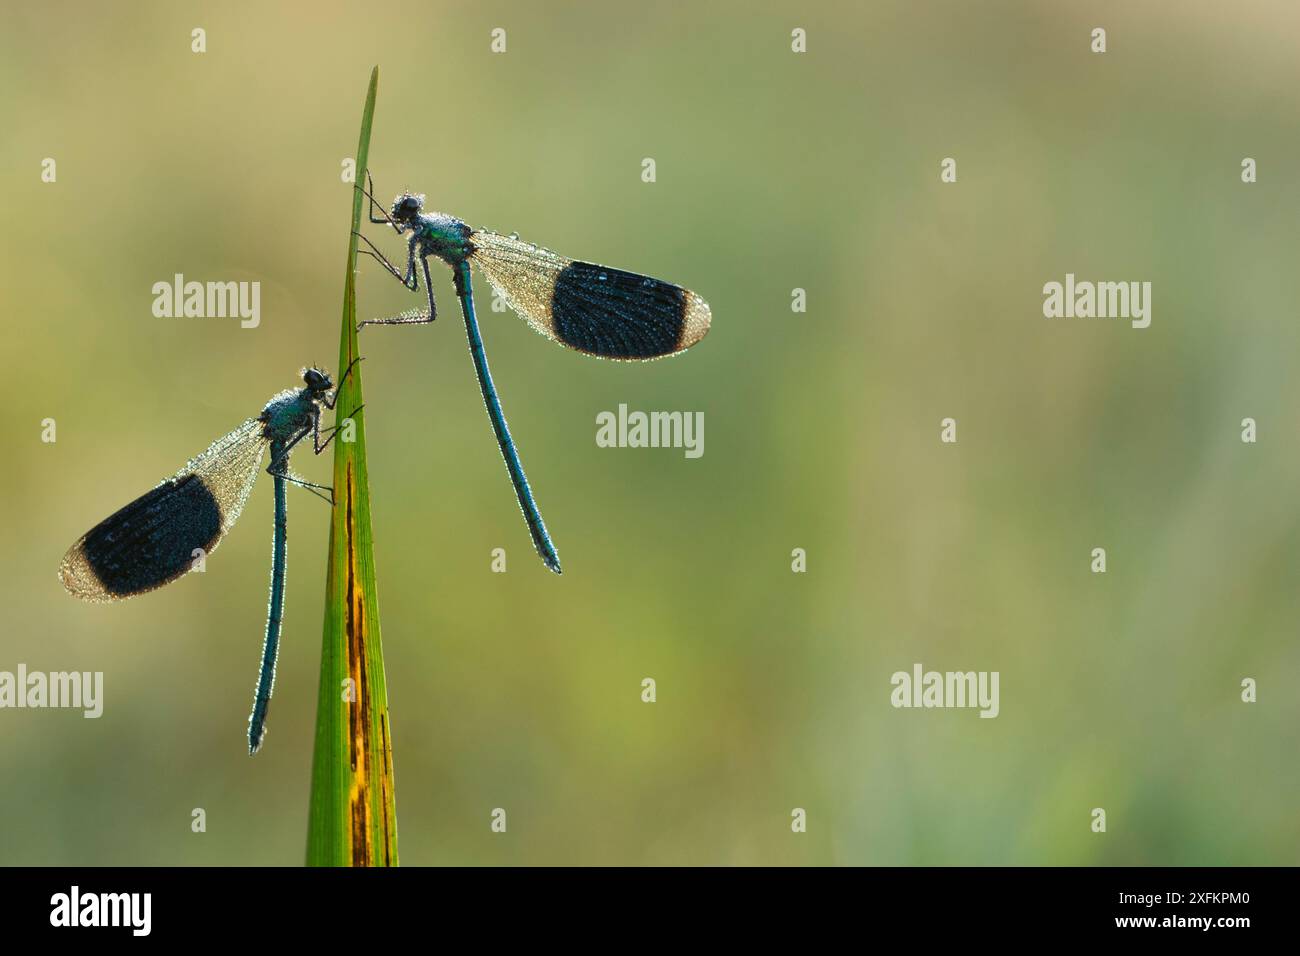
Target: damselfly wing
point(595, 309)
point(163, 533)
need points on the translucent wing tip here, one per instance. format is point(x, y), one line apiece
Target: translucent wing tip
point(79, 579)
point(696, 319)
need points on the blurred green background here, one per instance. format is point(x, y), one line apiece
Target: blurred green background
point(775, 171)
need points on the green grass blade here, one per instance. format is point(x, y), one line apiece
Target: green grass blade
point(352, 819)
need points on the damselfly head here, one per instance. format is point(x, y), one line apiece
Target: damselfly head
point(406, 208)
point(317, 381)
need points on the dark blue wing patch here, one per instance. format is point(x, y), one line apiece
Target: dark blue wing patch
point(617, 314)
point(152, 540)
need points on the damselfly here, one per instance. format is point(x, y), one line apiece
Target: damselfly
point(171, 530)
point(595, 309)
